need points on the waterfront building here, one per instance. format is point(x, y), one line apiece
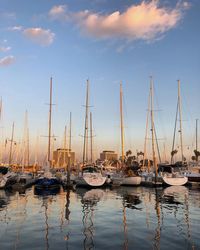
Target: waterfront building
point(108, 155)
point(62, 157)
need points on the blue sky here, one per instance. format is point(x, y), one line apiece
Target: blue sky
point(107, 42)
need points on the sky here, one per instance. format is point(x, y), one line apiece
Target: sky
point(107, 42)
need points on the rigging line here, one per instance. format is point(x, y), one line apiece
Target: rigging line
point(157, 143)
point(186, 110)
point(127, 135)
point(146, 130)
point(160, 117)
point(174, 136)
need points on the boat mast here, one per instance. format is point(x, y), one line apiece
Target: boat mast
point(174, 136)
point(152, 128)
point(70, 132)
point(11, 144)
point(145, 139)
point(28, 152)
point(121, 122)
point(1, 152)
point(49, 136)
point(180, 120)
point(36, 149)
point(196, 134)
point(85, 146)
point(1, 108)
point(65, 145)
point(26, 143)
point(91, 136)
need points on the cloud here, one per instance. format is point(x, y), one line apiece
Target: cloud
point(59, 12)
point(40, 36)
point(145, 21)
point(6, 61)
point(15, 28)
point(5, 49)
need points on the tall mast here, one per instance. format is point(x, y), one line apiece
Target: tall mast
point(121, 123)
point(180, 120)
point(28, 152)
point(146, 133)
point(85, 146)
point(91, 136)
point(174, 136)
point(196, 138)
point(1, 152)
point(1, 108)
point(25, 143)
point(65, 145)
point(70, 132)
point(11, 144)
point(152, 126)
point(49, 136)
point(196, 134)
point(36, 149)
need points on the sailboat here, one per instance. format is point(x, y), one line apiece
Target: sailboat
point(7, 177)
point(193, 172)
point(90, 175)
point(25, 179)
point(151, 177)
point(67, 178)
point(130, 179)
point(171, 174)
point(48, 180)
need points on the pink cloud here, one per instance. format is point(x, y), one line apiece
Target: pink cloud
point(6, 61)
point(39, 36)
point(146, 21)
point(59, 12)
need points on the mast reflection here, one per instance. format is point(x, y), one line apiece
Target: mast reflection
point(177, 199)
point(45, 205)
point(158, 208)
point(130, 200)
point(89, 200)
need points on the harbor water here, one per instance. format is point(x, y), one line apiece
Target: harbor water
point(119, 218)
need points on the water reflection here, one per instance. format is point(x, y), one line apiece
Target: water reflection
point(175, 195)
point(178, 198)
point(130, 198)
point(125, 227)
point(89, 200)
point(45, 201)
point(158, 208)
point(122, 218)
point(5, 198)
point(46, 192)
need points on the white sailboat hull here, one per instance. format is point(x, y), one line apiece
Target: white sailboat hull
point(94, 180)
point(131, 181)
point(91, 179)
point(175, 181)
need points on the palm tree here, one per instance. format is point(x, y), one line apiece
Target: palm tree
point(196, 154)
point(173, 152)
point(129, 152)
